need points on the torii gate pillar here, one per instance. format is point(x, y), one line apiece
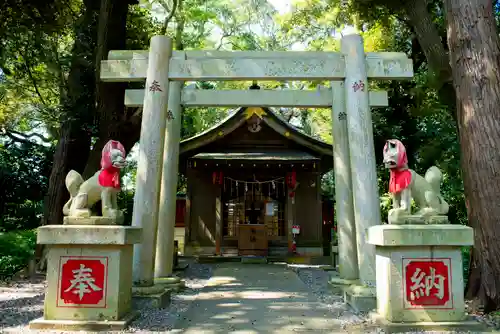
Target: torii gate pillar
point(363, 168)
point(149, 168)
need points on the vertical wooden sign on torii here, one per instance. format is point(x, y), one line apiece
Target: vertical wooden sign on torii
point(164, 71)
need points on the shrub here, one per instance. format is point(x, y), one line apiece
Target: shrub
point(16, 249)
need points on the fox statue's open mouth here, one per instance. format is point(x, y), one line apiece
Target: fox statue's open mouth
point(120, 164)
point(390, 163)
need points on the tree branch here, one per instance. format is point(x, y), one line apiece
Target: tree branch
point(32, 78)
point(179, 30)
point(171, 12)
point(429, 39)
point(23, 137)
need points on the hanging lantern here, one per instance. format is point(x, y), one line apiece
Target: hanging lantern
point(217, 178)
point(291, 179)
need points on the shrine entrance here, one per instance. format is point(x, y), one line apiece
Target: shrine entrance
point(261, 203)
point(249, 180)
point(347, 74)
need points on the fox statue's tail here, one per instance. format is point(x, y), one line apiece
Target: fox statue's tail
point(73, 182)
point(434, 176)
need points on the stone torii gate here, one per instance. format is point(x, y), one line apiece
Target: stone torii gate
point(164, 71)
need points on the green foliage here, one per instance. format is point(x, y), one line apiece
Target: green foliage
point(328, 185)
point(141, 25)
point(35, 40)
point(24, 173)
point(126, 204)
point(466, 263)
point(415, 114)
point(36, 62)
point(16, 249)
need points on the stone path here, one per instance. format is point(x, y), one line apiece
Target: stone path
point(252, 298)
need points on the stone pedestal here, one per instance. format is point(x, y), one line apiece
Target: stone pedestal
point(360, 297)
point(89, 276)
point(420, 275)
point(156, 296)
point(171, 283)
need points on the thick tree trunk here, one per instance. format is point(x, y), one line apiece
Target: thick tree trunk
point(78, 109)
point(474, 59)
point(71, 153)
point(113, 121)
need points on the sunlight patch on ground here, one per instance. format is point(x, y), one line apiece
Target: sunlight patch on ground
point(229, 305)
point(220, 280)
point(254, 294)
point(8, 293)
point(228, 315)
point(233, 284)
point(263, 295)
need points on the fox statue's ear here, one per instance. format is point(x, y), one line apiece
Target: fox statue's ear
point(402, 158)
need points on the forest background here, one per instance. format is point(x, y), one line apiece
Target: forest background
point(55, 115)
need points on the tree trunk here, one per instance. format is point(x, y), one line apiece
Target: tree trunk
point(78, 106)
point(113, 120)
point(434, 50)
point(474, 58)
point(428, 38)
point(78, 110)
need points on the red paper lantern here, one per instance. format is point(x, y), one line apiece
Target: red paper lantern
point(217, 178)
point(291, 179)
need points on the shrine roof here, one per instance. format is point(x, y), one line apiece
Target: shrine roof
point(268, 117)
point(273, 156)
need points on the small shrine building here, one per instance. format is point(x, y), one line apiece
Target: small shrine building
point(250, 180)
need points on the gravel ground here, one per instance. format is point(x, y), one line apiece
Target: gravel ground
point(162, 320)
point(22, 301)
point(317, 280)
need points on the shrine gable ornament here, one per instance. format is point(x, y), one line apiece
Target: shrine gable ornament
point(103, 186)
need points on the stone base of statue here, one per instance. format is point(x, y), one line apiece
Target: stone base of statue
point(416, 219)
point(89, 277)
point(468, 325)
point(93, 220)
point(420, 275)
